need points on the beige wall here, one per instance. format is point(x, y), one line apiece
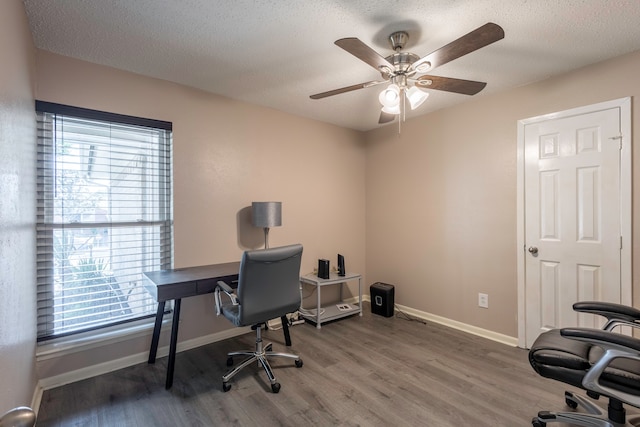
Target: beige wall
point(226, 155)
point(441, 196)
point(17, 209)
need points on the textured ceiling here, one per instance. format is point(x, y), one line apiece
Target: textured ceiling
point(276, 53)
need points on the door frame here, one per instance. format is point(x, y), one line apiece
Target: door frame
point(624, 104)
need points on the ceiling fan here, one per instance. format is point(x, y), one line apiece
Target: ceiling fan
point(401, 69)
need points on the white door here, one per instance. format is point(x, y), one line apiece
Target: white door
point(573, 235)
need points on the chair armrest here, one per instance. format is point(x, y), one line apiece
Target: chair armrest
point(602, 338)
point(616, 346)
point(224, 287)
point(616, 314)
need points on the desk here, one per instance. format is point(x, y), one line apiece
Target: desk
point(175, 284)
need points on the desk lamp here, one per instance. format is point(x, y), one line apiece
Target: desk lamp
point(266, 215)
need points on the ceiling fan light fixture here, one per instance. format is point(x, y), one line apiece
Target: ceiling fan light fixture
point(392, 110)
point(416, 97)
point(390, 96)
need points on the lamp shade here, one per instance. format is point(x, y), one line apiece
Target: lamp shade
point(390, 97)
point(267, 214)
point(392, 110)
point(416, 97)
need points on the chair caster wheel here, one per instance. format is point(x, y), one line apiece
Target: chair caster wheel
point(571, 403)
point(275, 387)
point(299, 363)
point(537, 423)
point(230, 361)
point(226, 387)
point(569, 400)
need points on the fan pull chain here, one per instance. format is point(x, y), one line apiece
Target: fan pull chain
point(403, 109)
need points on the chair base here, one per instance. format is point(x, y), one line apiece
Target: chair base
point(259, 355)
point(593, 416)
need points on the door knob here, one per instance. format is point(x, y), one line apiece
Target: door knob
point(533, 250)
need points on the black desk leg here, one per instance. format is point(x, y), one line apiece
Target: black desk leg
point(174, 341)
point(285, 329)
point(156, 333)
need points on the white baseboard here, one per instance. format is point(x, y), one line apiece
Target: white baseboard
point(134, 359)
point(484, 333)
point(36, 399)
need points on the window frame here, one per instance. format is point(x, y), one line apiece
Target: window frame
point(46, 225)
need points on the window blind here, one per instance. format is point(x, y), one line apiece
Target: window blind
point(104, 216)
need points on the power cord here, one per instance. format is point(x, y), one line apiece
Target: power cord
point(404, 316)
point(310, 312)
point(313, 291)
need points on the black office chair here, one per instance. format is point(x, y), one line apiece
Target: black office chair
point(268, 288)
point(600, 361)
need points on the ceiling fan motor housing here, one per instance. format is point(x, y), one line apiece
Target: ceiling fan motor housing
point(401, 62)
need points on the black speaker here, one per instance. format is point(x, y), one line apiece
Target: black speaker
point(323, 268)
point(382, 299)
point(341, 269)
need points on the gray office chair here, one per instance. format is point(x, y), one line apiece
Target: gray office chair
point(602, 362)
point(268, 288)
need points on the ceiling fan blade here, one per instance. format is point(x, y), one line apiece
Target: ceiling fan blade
point(386, 117)
point(346, 89)
point(480, 37)
point(465, 87)
point(363, 52)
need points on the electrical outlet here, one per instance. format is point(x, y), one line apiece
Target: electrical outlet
point(483, 300)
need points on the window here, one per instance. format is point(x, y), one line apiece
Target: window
point(104, 216)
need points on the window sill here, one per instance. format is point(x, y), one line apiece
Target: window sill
point(63, 346)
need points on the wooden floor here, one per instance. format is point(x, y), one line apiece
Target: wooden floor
point(358, 371)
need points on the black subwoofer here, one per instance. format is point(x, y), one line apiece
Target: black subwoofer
point(382, 299)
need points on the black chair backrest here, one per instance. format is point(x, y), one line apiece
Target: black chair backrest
point(269, 283)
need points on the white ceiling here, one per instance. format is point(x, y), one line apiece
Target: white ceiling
point(276, 53)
